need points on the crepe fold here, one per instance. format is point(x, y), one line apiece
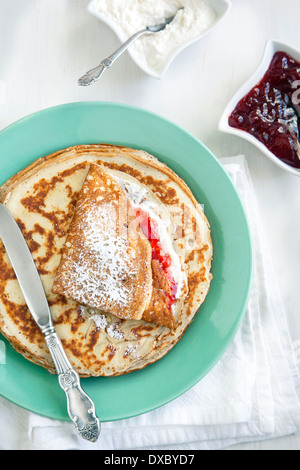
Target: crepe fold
point(124, 252)
point(106, 260)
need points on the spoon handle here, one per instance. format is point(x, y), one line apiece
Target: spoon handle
point(94, 74)
point(124, 46)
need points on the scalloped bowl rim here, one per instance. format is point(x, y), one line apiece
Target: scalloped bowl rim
point(159, 73)
point(271, 48)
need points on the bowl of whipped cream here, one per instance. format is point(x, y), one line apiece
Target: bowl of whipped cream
point(154, 53)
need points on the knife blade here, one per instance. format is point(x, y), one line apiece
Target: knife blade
point(81, 408)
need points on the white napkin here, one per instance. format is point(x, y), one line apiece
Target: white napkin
point(249, 395)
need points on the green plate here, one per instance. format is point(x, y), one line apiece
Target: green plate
point(214, 327)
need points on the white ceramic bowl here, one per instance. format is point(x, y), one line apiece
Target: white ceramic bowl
point(221, 7)
point(271, 48)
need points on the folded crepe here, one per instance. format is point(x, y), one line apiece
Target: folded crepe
point(116, 307)
point(106, 261)
point(113, 258)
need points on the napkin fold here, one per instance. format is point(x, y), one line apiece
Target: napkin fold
point(250, 395)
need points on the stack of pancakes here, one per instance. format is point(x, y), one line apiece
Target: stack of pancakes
point(124, 253)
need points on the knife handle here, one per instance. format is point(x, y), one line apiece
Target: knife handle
point(81, 409)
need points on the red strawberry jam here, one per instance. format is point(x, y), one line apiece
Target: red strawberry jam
point(271, 112)
point(150, 230)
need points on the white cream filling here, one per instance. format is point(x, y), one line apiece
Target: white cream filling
point(142, 198)
point(134, 15)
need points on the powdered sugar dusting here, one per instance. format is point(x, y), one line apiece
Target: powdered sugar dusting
point(100, 321)
point(131, 350)
point(111, 256)
point(115, 332)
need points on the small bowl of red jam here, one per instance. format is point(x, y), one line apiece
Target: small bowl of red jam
point(266, 110)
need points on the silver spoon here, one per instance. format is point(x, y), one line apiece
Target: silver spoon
point(94, 74)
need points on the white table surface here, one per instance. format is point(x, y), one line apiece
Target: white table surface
point(47, 44)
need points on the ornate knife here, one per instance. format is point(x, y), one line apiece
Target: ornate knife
point(80, 407)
